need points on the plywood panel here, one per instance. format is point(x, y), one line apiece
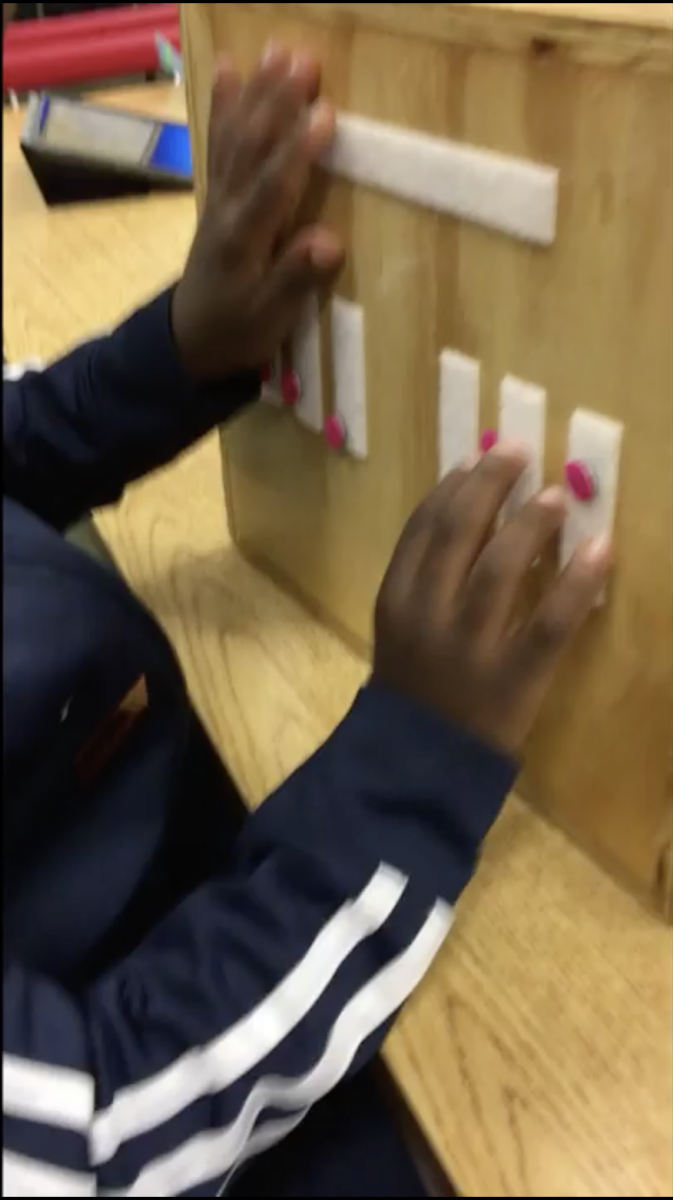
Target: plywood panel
point(588, 319)
point(633, 35)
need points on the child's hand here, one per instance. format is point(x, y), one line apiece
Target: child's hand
point(247, 276)
point(446, 629)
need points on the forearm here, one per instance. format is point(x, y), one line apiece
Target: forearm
point(108, 413)
point(262, 991)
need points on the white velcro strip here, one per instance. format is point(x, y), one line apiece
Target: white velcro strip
point(595, 441)
point(508, 194)
point(522, 419)
point(270, 392)
point(458, 410)
point(349, 367)
point(306, 360)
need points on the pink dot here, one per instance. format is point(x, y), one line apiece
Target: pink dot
point(335, 433)
point(488, 440)
point(290, 387)
point(580, 481)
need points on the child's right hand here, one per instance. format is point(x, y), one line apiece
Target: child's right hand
point(445, 617)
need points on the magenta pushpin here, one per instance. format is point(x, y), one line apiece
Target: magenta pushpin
point(290, 388)
point(581, 481)
point(488, 440)
point(335, 433)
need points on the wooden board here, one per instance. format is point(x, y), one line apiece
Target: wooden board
point(588, 319)
point(637, 36)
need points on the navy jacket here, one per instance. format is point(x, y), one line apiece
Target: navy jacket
point(160, 1068)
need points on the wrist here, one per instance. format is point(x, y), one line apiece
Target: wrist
point(189, 347)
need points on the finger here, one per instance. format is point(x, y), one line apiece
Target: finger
point(460, 529)
point(276, 100)
point(310, 263)
point(415, 538)
point(275, 64)
point(302, 65)
point(270, 188)
point(535, 651)
point(422, 520)
point(321, 129)
point(437, 501)
point(489, 597)
point(271, 206)
point(225, 93)
point(269, 105)
point(305, 70)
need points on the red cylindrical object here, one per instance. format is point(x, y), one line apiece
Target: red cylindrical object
point(126, 52)
point(83, 25)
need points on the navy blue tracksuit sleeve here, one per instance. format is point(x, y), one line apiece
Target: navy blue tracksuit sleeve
point(108, 413)
point(264, 989)
point(269, 985)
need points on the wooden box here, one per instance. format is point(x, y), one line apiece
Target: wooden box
point(578, 303)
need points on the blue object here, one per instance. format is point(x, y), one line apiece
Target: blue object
point(172, 150)
point(80, 151)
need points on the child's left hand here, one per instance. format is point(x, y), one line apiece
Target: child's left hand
point(247, 278)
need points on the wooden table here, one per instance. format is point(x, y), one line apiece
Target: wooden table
point(538, 1054)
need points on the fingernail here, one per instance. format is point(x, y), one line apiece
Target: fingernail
point(323, 257)
point(510, 449)
point(322, 115)
point(553, 497)
point(325, 251)
point(321, 128)
point(301, 62)
point(597, 549)
point(271, 51)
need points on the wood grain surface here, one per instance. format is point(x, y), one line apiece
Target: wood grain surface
point(538, 1053)
point(633, 35)
point(652, 16)
point(588, 319)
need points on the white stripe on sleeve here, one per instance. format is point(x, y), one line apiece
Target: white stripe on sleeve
point(53, 1095)
point(212, 1154)
point(28, 1177)
point(209, 1069)
point(263, 1139)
